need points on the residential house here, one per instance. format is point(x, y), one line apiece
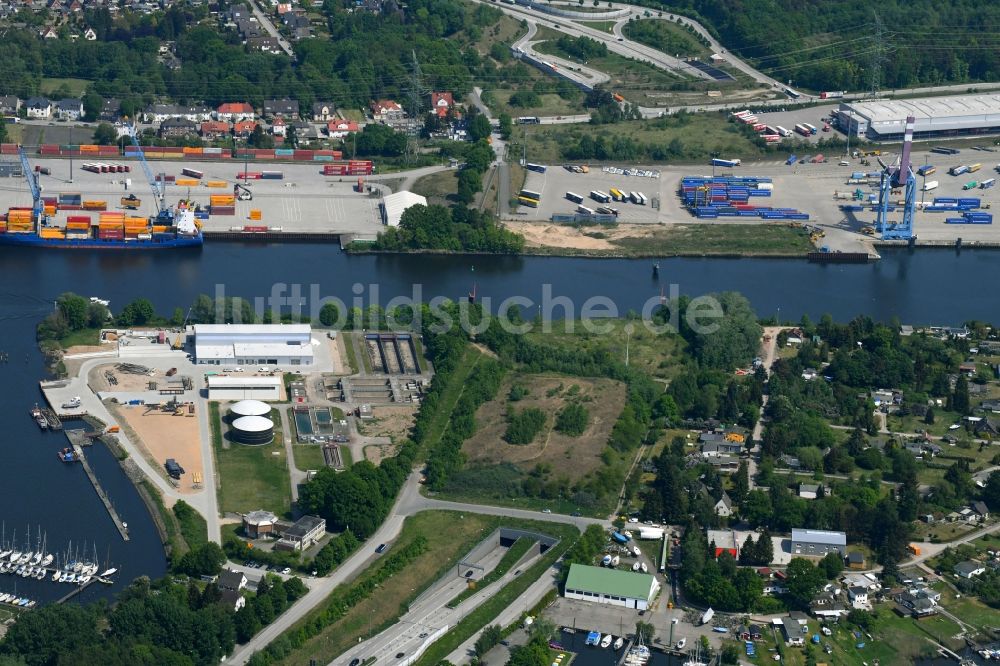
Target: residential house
point(157, 113)
point(724, 507)
point(263, 43)
point(720, 448)
point(990, 406)
point(244, 128)
point(886, 399)
point(855, 560)
point(323, 111)
point(10, 105)
point(288, 108)
point(230, 579)
point(986, 426)
point(968, 368)
point(111, 110)
point(90, 35)
point(305, 132)
point(922, 448)
point(177, 128)
point(858, 596)
point(441, 103)
point(49, 33)
point(981, 510)
point(278, 127)
point(38, 107)
point(969, 569)
point(386, 111)
point(790, 461)
point(817, 542)
point(968, 515)
point(69, 109)
point(214, 130)
point(234, 600)
point(827, 604)
point(339, 129)
point(723, 464)
point(809, 490)
point(233, 111)
point(810, 374)
point(907, 603)
point(867, 581)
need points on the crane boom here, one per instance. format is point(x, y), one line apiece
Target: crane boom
point(150, 178)
point(37, 207)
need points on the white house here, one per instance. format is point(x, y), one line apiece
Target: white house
point(38, 107)
point(724, 507)
point(69, 109)
point(969, 569)
point(858, 597)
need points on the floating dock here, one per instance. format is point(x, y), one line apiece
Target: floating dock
point(80, 439)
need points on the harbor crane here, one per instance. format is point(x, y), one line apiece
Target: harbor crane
point(897, 175)
point(37, 206)
point(163, 214)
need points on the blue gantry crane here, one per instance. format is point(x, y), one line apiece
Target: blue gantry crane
point(163, 214)
point(37, 206)
point(895, 176)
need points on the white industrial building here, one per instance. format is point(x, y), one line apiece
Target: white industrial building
point(611, 586)
point(246, 389)
point(395, 204)
point(253, 344)
point(937, 117)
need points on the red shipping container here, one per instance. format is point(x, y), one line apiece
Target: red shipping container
point(8, 148)
point(49, 149)
point(263, 152)
point(78, 218)
point(70, 207)
point(223, 210)
point(304, 154)
point(254, 229)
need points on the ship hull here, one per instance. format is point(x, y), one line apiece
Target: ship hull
point(32, 240)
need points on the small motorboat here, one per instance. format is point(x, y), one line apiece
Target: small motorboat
point(636, 551)
point(635, 567)
point(681, 643)
point(606, 561)
point(615, 560)
point(619, 642)
point(108, 572)
point(644, 568)
point(606, 641)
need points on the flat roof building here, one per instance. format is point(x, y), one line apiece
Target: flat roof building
point(244, 389)
point(610, 586)
point(818, 542)
point(253, 344)
point(306, 531)
point(395, 204)
point(885, 119)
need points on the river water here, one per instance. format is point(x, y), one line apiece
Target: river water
point(927, 286)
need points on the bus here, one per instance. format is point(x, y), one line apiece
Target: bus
point(617, 194)
point(791, 93)
point(768, 129)
point(975, 167)
point(600, 197)
point(584, 210)
point(530, 195)
point(528, 120)
point(193, 173)
point(642, 199)
point(782, 131)
point(574, 197)
point(604, 210)
point(633, 197)
point(540, 168)
point(530, 203)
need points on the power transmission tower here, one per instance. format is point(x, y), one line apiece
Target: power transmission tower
point(878, 57)
point(417, 92)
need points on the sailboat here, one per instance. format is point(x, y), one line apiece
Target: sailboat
point(615, 560)
point(619, 642)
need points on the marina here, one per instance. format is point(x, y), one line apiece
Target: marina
point(77, 440)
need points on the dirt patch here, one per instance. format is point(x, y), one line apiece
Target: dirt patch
point(545, 234)
point(88, 349)
point(99, 381)
point(338, 357)
point(574, 457)
point(165, 435)
point(393, 422)
point(376, 453)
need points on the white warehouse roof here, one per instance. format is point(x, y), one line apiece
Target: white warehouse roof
point(252, 329)
point(251, 407)
point(225, 381)
point(395, 204)
point(253, 424)
point(819, 536)
point(931, 113)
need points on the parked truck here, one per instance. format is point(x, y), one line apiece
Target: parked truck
point(958, 170)
point(926, 170)
point(929, 185)
point(725, 163)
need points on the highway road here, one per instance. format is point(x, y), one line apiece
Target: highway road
point(409, 502)
point(582, 76)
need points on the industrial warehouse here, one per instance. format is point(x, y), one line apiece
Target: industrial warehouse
point(253, 344)
point(936, 117)
point(609, 586)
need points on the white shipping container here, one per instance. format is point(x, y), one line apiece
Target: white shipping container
point(765, 186)
point(929, 185)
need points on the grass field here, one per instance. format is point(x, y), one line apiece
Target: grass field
point(658, 356)
point(692, 136)
point(604, 26)
point(85, 336)
point(193, 527)
point(667, 37)
point(346, 339)
point(75, 87)
point(251, 477)
point(174, 541)
point(626, 74)
point(451, 395)
point(572, 457)
point(551, 105)
point(384, 608)
point(308, 456)
point(437, 187)
point(720, 239)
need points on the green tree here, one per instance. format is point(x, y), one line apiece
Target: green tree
point(929, 416)
point(804, 580)
point(105, 135)
point(506, 126)
point(524, 426)
point(960, 399)
point(73, 309)
point(3, 130)
point(490, 636)
point(137, 313)
point(991, 493)
point(329, 314)
point(644, 631)
point(479, 128)
point(572, 419)
point(832, 565)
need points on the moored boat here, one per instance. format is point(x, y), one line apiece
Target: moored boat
point(606, 641)
point(619, 642)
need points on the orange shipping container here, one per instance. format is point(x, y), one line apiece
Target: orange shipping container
point(187, 182)
point(216, 183)
point(78, 226)
point(50, 210)
point(53, 233)
point(89, 149)
point(157, 229)
point(255, 214)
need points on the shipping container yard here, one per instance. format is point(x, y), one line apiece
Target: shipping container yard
point(315, 197)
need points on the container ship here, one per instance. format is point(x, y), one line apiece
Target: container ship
point(172, 228)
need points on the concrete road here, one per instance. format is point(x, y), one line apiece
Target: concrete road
point(409, 502)
point(584, 77)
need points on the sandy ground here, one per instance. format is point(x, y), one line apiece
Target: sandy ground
point(127, 382)
point(88, 349)
point(338, 358)
point(376, 453)
point(164, 435)
point(393, 422)
point(546, 234)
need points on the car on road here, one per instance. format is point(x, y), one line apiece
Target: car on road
point(468, 574)
point(576, 514)
point(517, 572)
point(355, 662)
point(286, 570)
point(400, 655)
point(546, 510)
point(381, 548)
point(621, 39)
